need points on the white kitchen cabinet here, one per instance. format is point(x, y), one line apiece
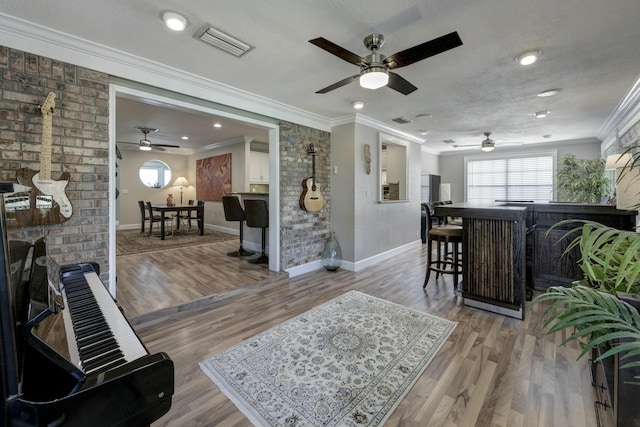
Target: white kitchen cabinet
point(259, 167)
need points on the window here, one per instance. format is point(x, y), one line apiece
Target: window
point(520, 177)
point(155, 174)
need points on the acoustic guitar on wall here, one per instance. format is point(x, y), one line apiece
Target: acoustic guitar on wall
point(47, 199)
point(311, 199)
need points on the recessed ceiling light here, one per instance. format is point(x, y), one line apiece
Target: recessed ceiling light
point(528, 58)
point(424, 132)
point(358, 105)
point(541, 114)
point(185, 137)
point(217, 125)
point(549, 92)
point(174, 20)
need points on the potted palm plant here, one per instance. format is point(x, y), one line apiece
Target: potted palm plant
point(595, 307)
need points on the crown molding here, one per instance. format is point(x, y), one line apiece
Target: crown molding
point(19, 34)
point(375, 124)
point(624, 116)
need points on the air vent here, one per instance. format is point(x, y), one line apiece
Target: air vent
point(223, 41)
point(448, 141)
point(402, 120)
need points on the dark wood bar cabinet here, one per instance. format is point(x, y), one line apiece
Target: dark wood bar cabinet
point(510, 245)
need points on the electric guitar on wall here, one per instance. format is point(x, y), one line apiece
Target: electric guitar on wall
point(48, 201)
point(311, 199)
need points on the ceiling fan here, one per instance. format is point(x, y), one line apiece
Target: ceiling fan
point(374, 68)
point(147, 145)
point(486, 145)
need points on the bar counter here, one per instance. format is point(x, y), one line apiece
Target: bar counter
point(493, 256)
point(508, 245)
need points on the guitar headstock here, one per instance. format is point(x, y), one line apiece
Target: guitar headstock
point(48, 104)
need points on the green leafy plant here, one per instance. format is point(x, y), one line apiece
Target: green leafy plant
point(610, 262)
point(599, 319)
point(610, 257)
point(582, 180)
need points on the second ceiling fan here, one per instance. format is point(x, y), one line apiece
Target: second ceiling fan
point(487, 143)
point(374, 68)
point(147, 145)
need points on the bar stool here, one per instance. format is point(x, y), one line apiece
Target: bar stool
point(443, 234)
point(257, 213)
point(233, 212)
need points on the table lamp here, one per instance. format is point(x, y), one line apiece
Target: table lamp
point(181, 182)
point(627, 180)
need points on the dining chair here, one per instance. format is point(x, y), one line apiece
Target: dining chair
point(158, 218)
point(143, 215)
point(185, 219)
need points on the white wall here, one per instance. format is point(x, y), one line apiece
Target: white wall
point(365, 227)
point(344, 187)
point(430, 163)
point(452, 165)
point(132, 189)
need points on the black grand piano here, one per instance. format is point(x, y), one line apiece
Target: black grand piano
point(76, 361)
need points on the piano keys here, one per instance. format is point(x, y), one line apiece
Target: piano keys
point(102, 338)
point(78, 362)
point(98, 371)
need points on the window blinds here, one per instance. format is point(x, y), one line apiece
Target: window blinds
point(510, 178)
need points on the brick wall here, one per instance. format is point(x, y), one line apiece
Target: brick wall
point(302, 234)
point(80, 147)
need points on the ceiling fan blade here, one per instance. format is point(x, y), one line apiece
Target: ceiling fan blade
point(399, 83)
point(165, 145)
point(339, 84)
point(338, 51)
point(423, 51)
point(158, 148)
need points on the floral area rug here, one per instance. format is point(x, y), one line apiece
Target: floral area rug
point(132, 242)
point(347, 362)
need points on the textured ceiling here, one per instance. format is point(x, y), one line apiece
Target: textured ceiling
point(591, 50)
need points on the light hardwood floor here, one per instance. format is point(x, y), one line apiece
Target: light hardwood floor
point(493, 370)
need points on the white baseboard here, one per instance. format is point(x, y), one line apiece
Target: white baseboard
point(385, 255)
point(350, 266)
point(304, 268)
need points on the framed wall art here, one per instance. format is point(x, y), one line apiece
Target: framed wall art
point(213, 177)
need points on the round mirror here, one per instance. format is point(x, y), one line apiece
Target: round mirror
point(155, 174)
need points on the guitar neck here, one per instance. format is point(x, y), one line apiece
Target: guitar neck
point(45, 150)
point(313, 171)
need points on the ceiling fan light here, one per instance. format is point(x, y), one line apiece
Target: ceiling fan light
point(487, 147)
point(145, 147)
point(174, 20)
point(374, 78)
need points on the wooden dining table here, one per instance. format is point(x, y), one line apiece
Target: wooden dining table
point(163, 209)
